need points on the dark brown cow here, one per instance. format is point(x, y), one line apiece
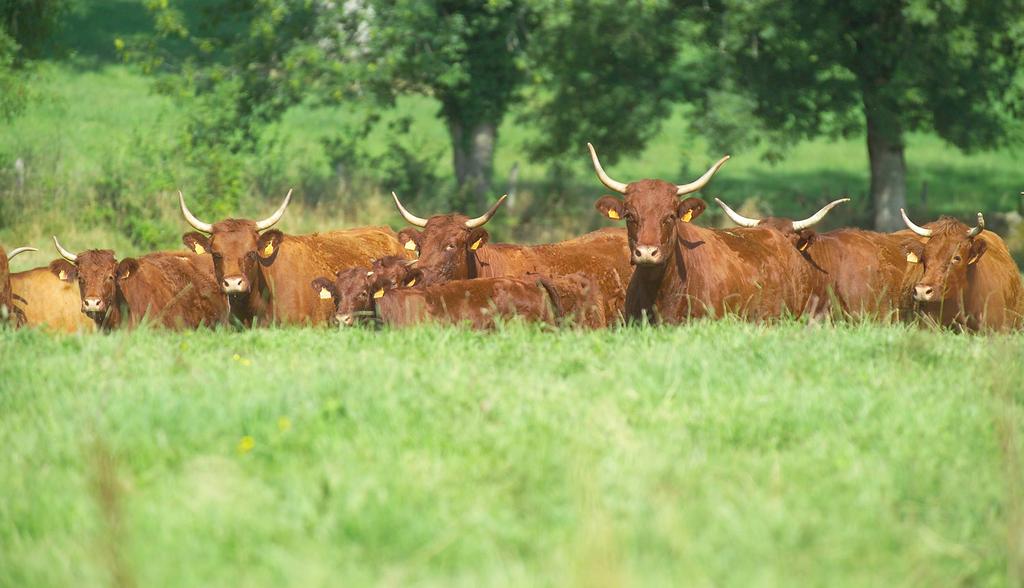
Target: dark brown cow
point(266, 274)
point(866, 272)
point(454, 247)
point(173, 290)
point(685, 271)
point(8, 312)
point(969, 278)
point(50, 300)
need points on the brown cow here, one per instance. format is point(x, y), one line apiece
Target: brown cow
point(266, 274)
point(969, 278)
point(454, 247)
point(49, 299)
point(685, 271)
point(8, 312)
point(359, 295)
point(866, 272)
point(168, 289)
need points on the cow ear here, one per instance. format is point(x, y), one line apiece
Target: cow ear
point(127, 268)
point(268, 243)
point(690, 209)
point(412, 277)
point(410, 239)
point(64, 270)
point(978, 248)
point(914, 250)
point(324, 288)
point(610, 206)
point(197, 242)
point(805, 238)
point(477, 238)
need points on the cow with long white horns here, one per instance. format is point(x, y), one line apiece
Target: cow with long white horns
point(685, 271)
point(865, 272)
point(968, 279)
point(455, 247)
point(8, 312)
point(266, 273)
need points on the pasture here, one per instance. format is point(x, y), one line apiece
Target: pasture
point(719, 453)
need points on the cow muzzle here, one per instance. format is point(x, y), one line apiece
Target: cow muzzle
point(647, 255)
point(92, 305)
point(234, 285)
point(923, 293)
point(344, 320)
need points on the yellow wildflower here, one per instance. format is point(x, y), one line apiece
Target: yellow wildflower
point(284, 423)
point(245, 444)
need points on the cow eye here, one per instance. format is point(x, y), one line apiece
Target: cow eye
point(449, 247)
point(110, 277)
point(956, 259)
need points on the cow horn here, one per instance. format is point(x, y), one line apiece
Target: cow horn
point(15, 252)
point(737, 217)
point(974, 232)
point(482, 219)
point(409, 217)
point(701, 181)
point(191, 218)
point(64, 252)
point(605, 178)
point(910, 225)
point(272, 219)
point(816, 217)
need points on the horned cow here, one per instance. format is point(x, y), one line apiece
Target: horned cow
point(685, 271)
point(266, 273)
point(455, 247)
point(968, 277)
point(169, 289)
point(8, 312)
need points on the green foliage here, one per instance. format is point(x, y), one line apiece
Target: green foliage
point(13, 87)
point(813, 68)
point(719, 453)
point(31, 23)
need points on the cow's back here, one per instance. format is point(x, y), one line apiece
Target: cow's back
point(602, 254)
point(174, 290)
point(302, 258)
point(48, 302)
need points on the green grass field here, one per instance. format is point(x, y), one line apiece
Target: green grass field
point(719, 453)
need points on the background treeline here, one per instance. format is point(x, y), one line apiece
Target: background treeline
point(109, 107)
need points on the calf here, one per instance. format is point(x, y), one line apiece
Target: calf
point(8, 312)
point(865, 272)
point(173, 290)
point(969, 279)
point(266, 273)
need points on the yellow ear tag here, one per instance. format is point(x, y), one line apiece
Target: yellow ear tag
point(378, 294)
point(411, 283)
point(63, 275)
point(613, 215)
point(476, 245)
point(410, 245)
point(199, 248)
point(268, 250)
point(125, 276)
point(687, 216)
point(325, 294)
point(912, 258)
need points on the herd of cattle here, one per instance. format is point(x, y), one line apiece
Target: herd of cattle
point(662, 267)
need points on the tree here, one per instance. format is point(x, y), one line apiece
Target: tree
point(813, 67)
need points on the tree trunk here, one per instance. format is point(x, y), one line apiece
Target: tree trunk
point(888, 169)
point(473, 157)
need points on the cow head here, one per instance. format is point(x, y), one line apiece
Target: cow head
point(355, 290)
point(97, 272)
point(799, 232)
point(949, 249)
point(238, 246)
point(447, 244)
point(651, 209)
